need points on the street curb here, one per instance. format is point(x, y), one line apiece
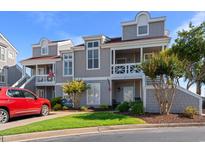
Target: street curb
point(89, 130)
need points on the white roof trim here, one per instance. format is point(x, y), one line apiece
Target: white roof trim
point(131, 44)
point(148, 42)
point(132, 22)
point(42, 61)
point(9, 43)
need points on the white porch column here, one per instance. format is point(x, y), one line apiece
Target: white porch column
point(141, 55)
point(163, 48)
point(144, 91)
point(36, 69)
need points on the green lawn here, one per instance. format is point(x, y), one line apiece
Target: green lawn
point(75, 121)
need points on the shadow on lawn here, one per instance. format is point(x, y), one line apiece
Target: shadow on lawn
point(101, 116)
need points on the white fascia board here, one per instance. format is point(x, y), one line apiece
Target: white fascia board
point(79, 48)
point(34, 62)
point(138, 43)
point(133, 22)
point(9, 43)
point(50, 44)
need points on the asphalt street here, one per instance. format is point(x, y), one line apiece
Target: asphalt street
point(183, 134)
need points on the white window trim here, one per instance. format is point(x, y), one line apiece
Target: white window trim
point(44, 46)
point(150, 53)
point(70, 75)
point(5, 55)
point(46, 52)
point(99, 94)
point(12, 55)
point(93, 48)
point(143, 34)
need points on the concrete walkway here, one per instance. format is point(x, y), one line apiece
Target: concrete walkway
point(21, 121)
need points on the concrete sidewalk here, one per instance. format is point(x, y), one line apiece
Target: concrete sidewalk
point(90, 130)
point(21, 121)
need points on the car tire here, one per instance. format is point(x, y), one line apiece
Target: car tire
point(4, 116)
point(44, 110)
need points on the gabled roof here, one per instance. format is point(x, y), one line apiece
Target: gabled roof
point(1, 35)
point(41, 58)
point(54, 41)
point(119, 39)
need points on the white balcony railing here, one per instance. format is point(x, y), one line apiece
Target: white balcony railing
point(44, 79)
point(125, 69)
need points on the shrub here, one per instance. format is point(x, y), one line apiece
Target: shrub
point(190, 111)
point(57, 107)
point(65, 108)
point(75, 89)
point(83, 108)
point(56, 100)
point(104, 107)
point(135, 102)
point(124, 107)
point(137, 108)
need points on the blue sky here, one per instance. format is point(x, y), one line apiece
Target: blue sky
point(26, 28)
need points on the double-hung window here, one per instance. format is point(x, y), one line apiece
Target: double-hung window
point(2, 53)
point(68, 64)
point(44, 47)
point(148, 56)
point(93, 55)
point(143, 30)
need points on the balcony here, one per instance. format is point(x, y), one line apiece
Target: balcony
point(125, 70)
point(125, 62)
point(45, 80)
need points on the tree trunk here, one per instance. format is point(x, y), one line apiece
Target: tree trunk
point(198, 87)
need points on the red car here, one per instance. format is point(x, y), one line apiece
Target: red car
point(16, 102)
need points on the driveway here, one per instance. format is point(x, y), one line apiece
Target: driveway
point(20, 121)
point(183, 134)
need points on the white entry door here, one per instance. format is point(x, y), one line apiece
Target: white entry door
point(128, 93)
point(93, 94)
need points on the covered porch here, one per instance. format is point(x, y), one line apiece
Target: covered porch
point(125, 61)
point(44, 73)
point(127, 90)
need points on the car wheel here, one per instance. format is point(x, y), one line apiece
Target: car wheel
point(4, 116)
point(44, 110)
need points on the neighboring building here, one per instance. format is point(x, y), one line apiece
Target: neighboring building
point(109, 65)
point(8, 65)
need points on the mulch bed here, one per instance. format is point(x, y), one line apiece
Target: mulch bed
point(171, 118)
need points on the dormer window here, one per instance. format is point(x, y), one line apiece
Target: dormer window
point(143, 24)
point(142, 30)
point(44, 47)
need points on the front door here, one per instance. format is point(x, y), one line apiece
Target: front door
point(128, 93)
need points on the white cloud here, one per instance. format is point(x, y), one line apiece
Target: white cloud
point(46, 19)
point(65, 35)
point(197, 19)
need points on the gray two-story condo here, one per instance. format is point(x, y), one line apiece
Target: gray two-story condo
point(8, 64)
point(108, 65)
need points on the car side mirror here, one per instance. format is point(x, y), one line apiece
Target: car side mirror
point(35, 98)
